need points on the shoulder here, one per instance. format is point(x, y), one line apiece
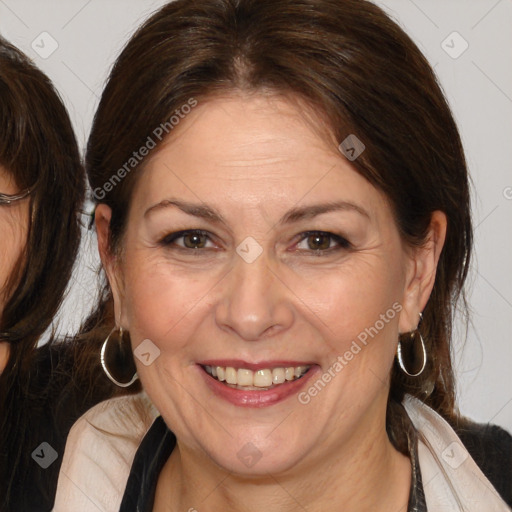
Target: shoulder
point(99, 453)
point(491, 448)
point(482, 436)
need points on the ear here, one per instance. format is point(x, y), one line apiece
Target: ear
point(109, 260)
point(422, 274)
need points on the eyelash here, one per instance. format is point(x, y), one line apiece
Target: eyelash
point(343, 243)
point(171, 238)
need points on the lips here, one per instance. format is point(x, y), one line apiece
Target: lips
point(256, 385)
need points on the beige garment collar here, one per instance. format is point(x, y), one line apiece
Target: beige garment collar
point(452, 481)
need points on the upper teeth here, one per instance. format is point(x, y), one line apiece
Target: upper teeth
point(263, 378)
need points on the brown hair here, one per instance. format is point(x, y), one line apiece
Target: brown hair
point(360, 71)
point(39, 150)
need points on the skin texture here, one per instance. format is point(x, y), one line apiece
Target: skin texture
point(252, 159)
point(13, 233)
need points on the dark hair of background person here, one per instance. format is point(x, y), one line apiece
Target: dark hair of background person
point(38, 400)
point(38, 149)
point(359, 73)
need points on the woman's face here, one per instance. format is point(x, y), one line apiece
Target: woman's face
point(13, 236)
point(253, 247)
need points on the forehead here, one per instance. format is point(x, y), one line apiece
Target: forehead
point(253, 128)
point(249, 150)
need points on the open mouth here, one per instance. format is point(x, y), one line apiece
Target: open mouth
point(259, 380)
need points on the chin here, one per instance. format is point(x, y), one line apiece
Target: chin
point(259, 455)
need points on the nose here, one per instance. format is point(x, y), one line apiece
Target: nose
point(255, 302)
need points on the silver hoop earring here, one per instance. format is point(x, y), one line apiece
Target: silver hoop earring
point(104, 364)
point(423, 352)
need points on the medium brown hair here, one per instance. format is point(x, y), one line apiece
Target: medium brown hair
point(359, 70)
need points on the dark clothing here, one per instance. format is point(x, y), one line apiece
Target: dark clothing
point(51, 403)
point(490, 446)
point(153, 452)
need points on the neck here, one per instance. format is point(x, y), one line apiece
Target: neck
point(366, 473)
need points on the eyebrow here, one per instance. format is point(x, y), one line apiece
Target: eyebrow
point(308, 212)
point(197, 210)
point(294, 215)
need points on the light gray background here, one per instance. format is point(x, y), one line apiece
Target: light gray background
point(478, 84)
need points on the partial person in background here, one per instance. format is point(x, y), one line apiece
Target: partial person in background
point(42, 187)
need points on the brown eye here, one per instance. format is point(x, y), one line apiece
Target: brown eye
point(319, 242)
point(189, 239)
point(194, 240)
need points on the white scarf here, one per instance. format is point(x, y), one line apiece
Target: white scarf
point(96, 465)
point(452, 481)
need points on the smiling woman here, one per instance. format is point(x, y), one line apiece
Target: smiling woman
point(304, 231)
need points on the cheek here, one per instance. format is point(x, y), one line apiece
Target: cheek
point(163, 303)
point(356, 308)
point(13, 235)
point(353, 298)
